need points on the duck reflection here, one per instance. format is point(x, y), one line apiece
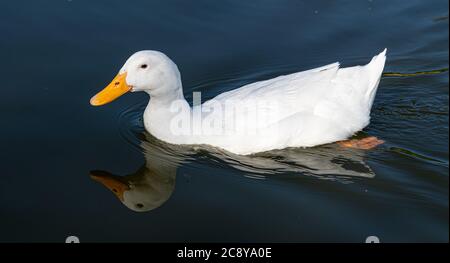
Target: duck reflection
point(324, 162)
point(153, 184)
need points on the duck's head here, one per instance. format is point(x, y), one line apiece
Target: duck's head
point(149, 71)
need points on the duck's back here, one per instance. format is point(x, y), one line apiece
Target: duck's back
point(302, 109)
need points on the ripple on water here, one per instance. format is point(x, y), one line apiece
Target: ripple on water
point(418, 156)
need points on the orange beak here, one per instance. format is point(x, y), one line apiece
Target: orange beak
point(116, 184)
point(115, 89)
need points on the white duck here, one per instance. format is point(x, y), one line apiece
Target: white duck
point(304, 109)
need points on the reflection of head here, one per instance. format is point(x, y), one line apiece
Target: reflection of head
point(140, 192)
point(153, 184)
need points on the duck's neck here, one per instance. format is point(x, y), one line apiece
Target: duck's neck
point(172, 92)
point(163, 111)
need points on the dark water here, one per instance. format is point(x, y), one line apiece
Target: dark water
point(56, 54)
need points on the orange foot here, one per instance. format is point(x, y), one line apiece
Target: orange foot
point(365, 143)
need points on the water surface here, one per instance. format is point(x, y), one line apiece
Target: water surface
point(57, 54)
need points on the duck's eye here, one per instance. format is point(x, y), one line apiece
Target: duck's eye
point(139, 205)
point(144, 66)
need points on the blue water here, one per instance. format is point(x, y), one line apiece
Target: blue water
point(57, 54)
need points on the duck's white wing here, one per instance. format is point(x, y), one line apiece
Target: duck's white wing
point(282, 83)
point(277, 98)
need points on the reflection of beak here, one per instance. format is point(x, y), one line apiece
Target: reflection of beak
point(116, 184)
point(115, 89)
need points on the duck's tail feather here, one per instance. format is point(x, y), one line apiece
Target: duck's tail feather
point(375, 68)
